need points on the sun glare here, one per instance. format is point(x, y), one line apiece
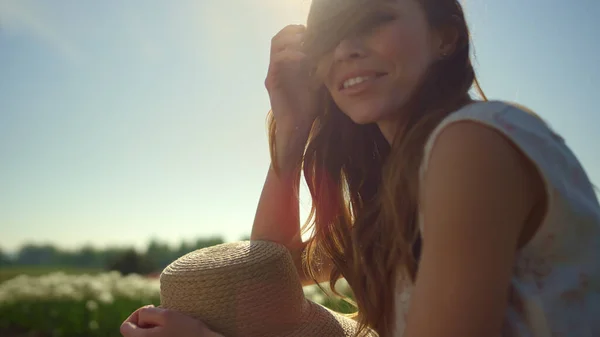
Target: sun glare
point(291, 11)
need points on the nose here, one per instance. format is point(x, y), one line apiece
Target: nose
point(349, 49)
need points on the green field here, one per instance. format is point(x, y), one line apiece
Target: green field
point(42, 302)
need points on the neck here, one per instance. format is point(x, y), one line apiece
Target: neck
point(388, 128)
point(391, 127)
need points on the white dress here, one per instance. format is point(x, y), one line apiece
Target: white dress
point(555, 289)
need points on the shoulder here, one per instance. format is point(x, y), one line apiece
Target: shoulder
point(476, 155)
point(492, 117)
point(489, 109)
point(510, 119)
point(476, 197)
point(496, 126)
point(469, 156)
point(496, 131)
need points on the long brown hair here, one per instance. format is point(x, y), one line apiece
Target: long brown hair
point(364, 191)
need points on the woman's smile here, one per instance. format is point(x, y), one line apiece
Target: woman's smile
point(356, 83)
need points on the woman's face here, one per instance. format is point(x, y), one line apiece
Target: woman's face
point(372, 75)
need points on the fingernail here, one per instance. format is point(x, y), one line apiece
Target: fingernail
point(158, 309)
point(126, 328)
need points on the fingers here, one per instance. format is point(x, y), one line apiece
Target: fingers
point(289, 30)
point(134, 317)
point(151, 316)
point(286, 42)
point(144, 322)
point(280, 62)
point(290, 37)
point(287, 64)
point(159, 322)
point(129, 329)
point(287, 56)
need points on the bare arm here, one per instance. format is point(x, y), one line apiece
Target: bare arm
point(294, 107)
point(477, 195)
point(278, 214)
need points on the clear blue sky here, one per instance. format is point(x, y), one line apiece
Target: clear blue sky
point(126, 120)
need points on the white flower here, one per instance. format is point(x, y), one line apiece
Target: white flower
point(93, 325)
point(318, 298)
point(92, 289)
point(106, 297)
point(91, 305)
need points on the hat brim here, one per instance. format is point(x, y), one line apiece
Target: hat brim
point(321, 321)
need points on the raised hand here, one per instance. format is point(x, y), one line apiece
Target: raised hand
point(293, 99)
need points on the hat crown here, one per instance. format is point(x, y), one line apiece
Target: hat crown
point(241, 288)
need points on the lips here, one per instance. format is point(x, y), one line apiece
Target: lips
point(358, 83)
point(355, 78)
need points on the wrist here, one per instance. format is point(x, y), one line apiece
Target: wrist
point(293, 131)
point(290, 144)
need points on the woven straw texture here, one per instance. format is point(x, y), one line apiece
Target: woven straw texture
point(248, 289)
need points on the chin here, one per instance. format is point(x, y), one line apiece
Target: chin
point(369, 111)
point(367, 115)
point(363, 118)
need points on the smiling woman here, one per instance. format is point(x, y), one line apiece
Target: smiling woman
point(355, 86)
point(429, 201)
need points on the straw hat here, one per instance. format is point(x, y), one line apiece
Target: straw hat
point(248, 289)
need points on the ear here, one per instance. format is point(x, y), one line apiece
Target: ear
point(447, 39)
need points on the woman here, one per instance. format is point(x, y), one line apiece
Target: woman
point(473, 212)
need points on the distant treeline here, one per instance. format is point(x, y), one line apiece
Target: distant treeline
point(154, 258)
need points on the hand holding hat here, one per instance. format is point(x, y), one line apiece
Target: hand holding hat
point(150, 321)
point(241, 289)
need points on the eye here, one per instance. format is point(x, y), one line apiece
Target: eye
point(384, 17)
point(377, 20)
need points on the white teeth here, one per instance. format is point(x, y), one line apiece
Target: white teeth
point(353, 81)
